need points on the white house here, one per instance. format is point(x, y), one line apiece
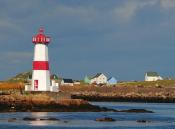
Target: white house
point(67, 82)
point(99, 78)
point(152, 76)
point(76, 82)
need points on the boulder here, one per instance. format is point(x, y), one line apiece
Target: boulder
point(12, 119)
point(105, 119)
point(143, 121)
point(137, 111)
point(51, 119)
point(29, 119)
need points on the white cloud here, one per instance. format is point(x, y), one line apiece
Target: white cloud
point(128, 10)
point(167, 4)
point(81, 13)
point(15, 57)
point(8, 25)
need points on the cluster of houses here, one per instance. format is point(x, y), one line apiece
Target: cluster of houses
point(99, 79)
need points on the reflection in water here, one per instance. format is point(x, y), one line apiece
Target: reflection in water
point(41, 123)
point(39, 114)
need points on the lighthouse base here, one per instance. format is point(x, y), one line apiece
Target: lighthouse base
point(41, 80)
point(53, 88)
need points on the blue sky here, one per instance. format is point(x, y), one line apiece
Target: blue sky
point(122, 38)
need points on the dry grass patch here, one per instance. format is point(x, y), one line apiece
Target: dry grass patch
point(11, 85)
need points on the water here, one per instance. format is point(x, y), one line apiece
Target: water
point(163, 118)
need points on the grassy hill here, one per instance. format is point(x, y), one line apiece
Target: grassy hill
point(21, 77)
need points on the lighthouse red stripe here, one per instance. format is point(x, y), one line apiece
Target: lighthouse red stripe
point(40, 65)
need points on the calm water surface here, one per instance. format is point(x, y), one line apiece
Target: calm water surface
point(163, 118)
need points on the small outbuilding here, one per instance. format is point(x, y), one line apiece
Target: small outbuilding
point(76, 82)
point(112, 81)
point(67, 82)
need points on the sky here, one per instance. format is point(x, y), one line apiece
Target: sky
point(121, 38)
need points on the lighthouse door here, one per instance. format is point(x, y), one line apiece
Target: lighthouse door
point(35, 84)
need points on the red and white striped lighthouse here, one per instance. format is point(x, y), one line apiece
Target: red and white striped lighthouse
point(41, 73)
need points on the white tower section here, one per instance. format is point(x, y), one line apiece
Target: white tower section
point(41, 73)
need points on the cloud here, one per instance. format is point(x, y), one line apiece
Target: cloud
point(129, 9)
point(15, 57)
point(126, 12)
point(167, 4)
point(90, 28)
point(6, 25)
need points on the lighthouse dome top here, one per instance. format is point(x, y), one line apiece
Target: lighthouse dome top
point(40, 37)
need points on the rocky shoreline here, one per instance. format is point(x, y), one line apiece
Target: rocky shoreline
point(153, 92)
point(44, 103)
point(101, 98)
point(124, 99)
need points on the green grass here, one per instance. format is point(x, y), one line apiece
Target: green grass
point(163, 83)
point(21, 77)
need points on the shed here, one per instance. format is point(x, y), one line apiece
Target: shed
point(112, 81)
point(68, 82)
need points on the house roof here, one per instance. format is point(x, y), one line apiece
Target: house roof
point(97, 75)
point(111, 78)
point(30, 76)
point(152, 74)
point(86, 77)
point(68, 80)
point(53, 76)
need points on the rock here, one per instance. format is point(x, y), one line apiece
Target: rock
point(137, 111)
point(51, 118)
point(142, 121)
point(12, 119)
point(105, 119)
point(29, 119)
point(65, 121)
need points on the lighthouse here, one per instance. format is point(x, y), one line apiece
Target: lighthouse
point(41, 72)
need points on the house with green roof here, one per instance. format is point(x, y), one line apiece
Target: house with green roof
point(152, 76)
point(54, 77)
point(87, 80)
